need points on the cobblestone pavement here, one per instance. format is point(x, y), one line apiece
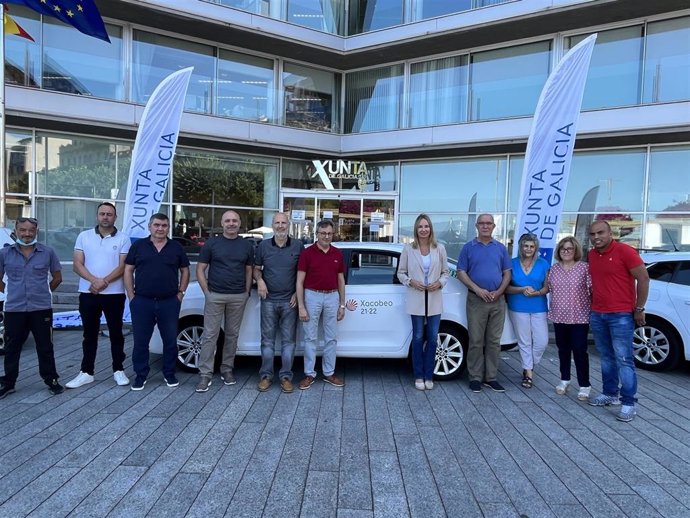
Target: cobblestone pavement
point(376, 447)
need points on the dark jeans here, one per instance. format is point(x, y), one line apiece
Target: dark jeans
point(90, 308)
point(424, 344)
point(275, 316)
point(571, 340)
point(17, 327)
point(146, 313)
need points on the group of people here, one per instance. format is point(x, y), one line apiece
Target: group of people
point(308, 284)
point(607, 293)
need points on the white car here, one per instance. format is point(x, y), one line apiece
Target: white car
point(665, 338)
point(375, 324)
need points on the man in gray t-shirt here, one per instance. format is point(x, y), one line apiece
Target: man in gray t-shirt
point(275, 271)
point(228, 260)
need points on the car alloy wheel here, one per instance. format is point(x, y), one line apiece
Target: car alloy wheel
point(189, 345)
point(655, 346)
point(451, 352)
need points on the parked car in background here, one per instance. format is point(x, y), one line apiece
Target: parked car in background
point(6, 239)
point(665, 339)
point(376, 324)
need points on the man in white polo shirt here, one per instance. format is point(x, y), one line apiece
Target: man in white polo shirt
point(99, 259)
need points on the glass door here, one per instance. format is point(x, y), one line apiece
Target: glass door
point(355, 218)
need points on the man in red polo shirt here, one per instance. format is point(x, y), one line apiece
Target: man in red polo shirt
point(321, 290)
point(620, 285)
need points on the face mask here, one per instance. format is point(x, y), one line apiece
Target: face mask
point(22, 243)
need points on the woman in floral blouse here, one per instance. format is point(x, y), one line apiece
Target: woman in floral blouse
point(570, 286)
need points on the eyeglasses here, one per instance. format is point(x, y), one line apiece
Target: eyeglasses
point(325, 234)
point(568, 249)
point(22, 219)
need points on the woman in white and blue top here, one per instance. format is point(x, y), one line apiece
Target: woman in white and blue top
point(527, 304)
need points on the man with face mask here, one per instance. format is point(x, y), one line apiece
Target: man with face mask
point(28, 307)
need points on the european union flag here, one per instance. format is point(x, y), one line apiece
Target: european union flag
point(83, 15)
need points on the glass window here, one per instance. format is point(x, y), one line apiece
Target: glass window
point(252, 6)
point(598, 181)
point(245, 87)
point(79, 64)
point(155, 57)
point(507, 82)
point(217, 179)
point(82, 167)
point(614, 72)
point(372, 267)
point(626, 227)
point(667, 61)
point(197, 224)
point(16, 206)
point(424, 9)
point(322, 15)
point(18, 148)
point(668, 231)
point(438, 92)
point(469, 185)
point(662, 271)
point(669, 179)
point(311, 98)
point(342, 174)
point(22, 56)
point(372, 99)
point(369, 15)
point(61, 221)
point(683, 274)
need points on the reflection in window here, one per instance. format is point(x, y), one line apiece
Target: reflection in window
point(614, 73)
point(438, 92)
point(311, 98)
point(192, 225)
point(322, 15)
point(245, 87)
point(303, 174)
point(669, 181)
point(667, 61)
point(626, 227)
point(369, 15)
point(79, 64)
point(217, 179)
point(465, 185)
point(252, 6)
point(507, 82)
point(373, 98)
point(155, 57)
point(82, 167)
point(668, 231)
point(18, 148)
point(598, 181)
point(22, 57)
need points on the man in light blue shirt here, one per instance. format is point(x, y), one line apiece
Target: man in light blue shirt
point(484, 266)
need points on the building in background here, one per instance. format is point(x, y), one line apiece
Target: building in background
point(366, 112)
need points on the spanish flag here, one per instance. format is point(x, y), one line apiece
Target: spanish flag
point(12, 27)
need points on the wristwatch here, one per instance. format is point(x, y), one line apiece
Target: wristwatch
point(342, 306)
point(183, 292)
point(639, 309)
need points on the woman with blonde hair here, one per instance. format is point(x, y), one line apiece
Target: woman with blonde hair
point(571, 297)
point(423, 268)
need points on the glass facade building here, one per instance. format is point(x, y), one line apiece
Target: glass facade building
point(364, 112)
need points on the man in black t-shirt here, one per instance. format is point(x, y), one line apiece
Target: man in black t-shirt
point(228, 260)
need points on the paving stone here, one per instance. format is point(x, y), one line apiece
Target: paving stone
point(320, 495)
point(354, 479)
point(109, 492)
point(634, 505)
point(420, 487)
point(660, 500)
point(175, 500)
point(379, 428)
point(33, 493)
point(354, 513)
point(324, 455)
point(390, 499)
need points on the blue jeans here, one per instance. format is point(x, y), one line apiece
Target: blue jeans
point(146, 313)
point(317, 305)
point(274, 316)
point(424, 344)
point(613, 336)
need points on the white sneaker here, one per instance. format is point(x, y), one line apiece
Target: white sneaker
point(428, 384)
point(419, 384)
point(120, 378)
point(562, 387)
point(583, 395)
point(81, 379)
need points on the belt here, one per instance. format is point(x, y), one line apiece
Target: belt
point(322, 291)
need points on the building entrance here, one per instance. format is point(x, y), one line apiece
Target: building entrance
point(355, 218)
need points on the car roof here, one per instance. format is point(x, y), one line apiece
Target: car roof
point(371, 245)
point(662, 257)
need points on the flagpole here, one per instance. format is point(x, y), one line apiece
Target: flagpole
point(3, 173)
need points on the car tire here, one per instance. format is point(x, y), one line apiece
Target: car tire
point(656, 345)
point(189, 340)
point(451, 352)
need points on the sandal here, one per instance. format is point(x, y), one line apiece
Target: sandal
point(527, 382)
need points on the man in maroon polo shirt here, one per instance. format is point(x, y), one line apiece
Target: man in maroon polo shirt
point(321, 290)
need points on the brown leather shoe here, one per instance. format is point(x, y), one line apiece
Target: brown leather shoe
point(264, 384)
point(307, 382)
point(334, 380)
point(286, 386)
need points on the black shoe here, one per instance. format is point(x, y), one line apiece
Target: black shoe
point(495, 386)
point(171, 381)
point(54, 387)
point(139, 383)
point(475, 386)
point(5, 390)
